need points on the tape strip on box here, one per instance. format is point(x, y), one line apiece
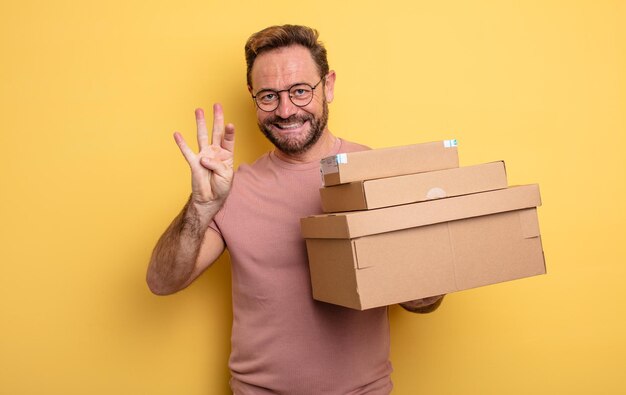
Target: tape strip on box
point(450, 143)
point(330, 164)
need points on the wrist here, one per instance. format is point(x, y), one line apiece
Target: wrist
point(198, 215)
point(204, 209)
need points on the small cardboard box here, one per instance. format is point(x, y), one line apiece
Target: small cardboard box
point(388, 162)
point(412, 188)
point(366, 259)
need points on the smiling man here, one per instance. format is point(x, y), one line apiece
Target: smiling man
point(283, 341)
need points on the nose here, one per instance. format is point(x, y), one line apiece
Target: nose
point(285, 107)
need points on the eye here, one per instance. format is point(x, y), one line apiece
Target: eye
point(300, 91)
point(267, 96)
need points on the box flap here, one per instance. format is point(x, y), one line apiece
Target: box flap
point(334, 281)
point(361, 223)
point(529, 223)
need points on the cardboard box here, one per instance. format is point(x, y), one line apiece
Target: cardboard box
point(388, 162)
point(366, 259)
point(412, 188)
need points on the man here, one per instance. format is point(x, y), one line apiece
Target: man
point(283, 341)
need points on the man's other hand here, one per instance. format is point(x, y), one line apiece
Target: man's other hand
point(423, 306)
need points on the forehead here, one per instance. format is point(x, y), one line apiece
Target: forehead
point(283, 67)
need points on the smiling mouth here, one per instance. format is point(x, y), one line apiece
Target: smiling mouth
point(288, 126)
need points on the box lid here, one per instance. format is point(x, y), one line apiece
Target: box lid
point(387, 162)
point(360, 223)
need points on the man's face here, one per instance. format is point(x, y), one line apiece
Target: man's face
point(292, 129)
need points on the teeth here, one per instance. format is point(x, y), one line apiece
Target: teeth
point(289, 125)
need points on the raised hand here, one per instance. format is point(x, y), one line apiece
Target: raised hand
point(212, 166)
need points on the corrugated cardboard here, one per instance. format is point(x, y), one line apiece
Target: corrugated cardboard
point(361, 223)
point(388, 162)
point(392, 191)
point(361, 261)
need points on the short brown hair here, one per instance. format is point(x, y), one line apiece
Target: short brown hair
point(275, 37)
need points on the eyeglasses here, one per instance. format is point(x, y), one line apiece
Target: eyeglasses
point(300, 95)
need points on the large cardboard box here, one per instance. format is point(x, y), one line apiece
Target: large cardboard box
point(387, 162)
point(412, 188)
point(366, 259)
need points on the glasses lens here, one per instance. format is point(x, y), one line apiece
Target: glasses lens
point(267, 100)
point(301, 94)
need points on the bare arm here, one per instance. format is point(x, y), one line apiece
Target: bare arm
point(177, 259)
point(188, 247)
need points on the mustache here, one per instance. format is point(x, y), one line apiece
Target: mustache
point(290, 119)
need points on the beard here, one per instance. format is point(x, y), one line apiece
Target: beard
point(296, 145)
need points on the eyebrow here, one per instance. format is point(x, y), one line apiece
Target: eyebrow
point(276, 90)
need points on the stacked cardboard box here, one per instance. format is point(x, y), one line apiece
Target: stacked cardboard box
point(406, 223)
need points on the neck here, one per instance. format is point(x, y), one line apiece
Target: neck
point(319, 150)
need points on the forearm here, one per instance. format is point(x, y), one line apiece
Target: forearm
point(175, 255)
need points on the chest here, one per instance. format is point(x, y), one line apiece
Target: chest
point(262, 220)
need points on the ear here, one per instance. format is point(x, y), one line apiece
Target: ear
point(329, 86)
point(249, 89)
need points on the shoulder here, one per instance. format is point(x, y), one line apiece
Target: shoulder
point(350, 146)
point(260, 165)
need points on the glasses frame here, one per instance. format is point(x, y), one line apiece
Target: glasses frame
point(289, 95)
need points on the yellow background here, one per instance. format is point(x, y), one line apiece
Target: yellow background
point(90, 176)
